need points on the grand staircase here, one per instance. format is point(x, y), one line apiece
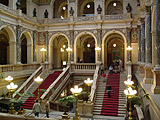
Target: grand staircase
point(29, 101)
point(115, 105)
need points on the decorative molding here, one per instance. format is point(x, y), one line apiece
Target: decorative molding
point(122, 30)
point(134, 35)
point(41, 38)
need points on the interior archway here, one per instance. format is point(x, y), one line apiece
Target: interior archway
point(26, 48)
point(86, 8)
point(113, 50)
point(4, 47)
point(113, 7)
point(60, 9)
point(23, 49)
point(85, 49)
point(58, 53)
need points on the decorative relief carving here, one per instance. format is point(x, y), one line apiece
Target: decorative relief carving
point(41, 38)
point(122, 30)
point(80, 31)
point(134, 35)
point(50, 34)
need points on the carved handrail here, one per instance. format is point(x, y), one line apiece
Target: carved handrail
point(58, 83)
point(95, 82)
point(27, 84)
point(8, 9)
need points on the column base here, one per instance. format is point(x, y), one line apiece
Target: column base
point(148, 77)
point(138, 68)
point(88, 107)
point(155, 89)
point(141, 70)
point(156, 83)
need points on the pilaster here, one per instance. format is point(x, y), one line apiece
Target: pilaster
point(141, 70)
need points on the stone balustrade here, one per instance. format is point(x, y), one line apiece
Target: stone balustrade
point(27, 84)
point(57, 85)
point(12, 68)
point(95, 82)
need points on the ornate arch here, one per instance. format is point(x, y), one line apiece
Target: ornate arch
point(83, 5)
point(51, 47)
point(76, 42)
point(58, 34)
point(29, 45)
point(12, 43)
point(124, 41)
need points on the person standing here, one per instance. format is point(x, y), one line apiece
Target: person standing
point(47, 107)
point(120, 65)
point(102, 69)
point(37, 108)
point(109, 89)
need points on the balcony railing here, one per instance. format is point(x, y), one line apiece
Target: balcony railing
point(65, 20)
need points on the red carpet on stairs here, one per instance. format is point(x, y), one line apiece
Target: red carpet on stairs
point(44, 85)
point(110, 104)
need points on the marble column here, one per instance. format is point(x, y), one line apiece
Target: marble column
point(99, 34)
point(18, 45)
point(12, 4)
point(148, 73)
point(34, 46)
point(142, 40)
point(72, 45)
point(47, 45)
point(142, 63)
point(128, 43)
point(139, 47)
point(156, 71)
point(139, 43)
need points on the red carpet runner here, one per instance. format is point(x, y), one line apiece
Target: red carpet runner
point(110, 104)
point(44, 85)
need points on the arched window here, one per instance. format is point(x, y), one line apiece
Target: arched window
point(113, 8)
